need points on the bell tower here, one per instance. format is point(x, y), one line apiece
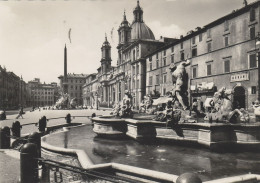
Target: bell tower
point(138, 13)
point(124, 35)
point(106, 56)
point(124, 31)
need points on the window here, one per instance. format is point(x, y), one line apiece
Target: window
point(164, 78)
point(252, 61)
point(150, 58)
point(252, 33)
point(252, 14)
point(182, 55)
point(133, 69)
point(156, 55)
point(253, 90)
point(157, 64)
point(133, 55)
point(193, 40)
point(194, 52)
point(164, 61)
point(209, 69)
point(208, 33)
point(194, 71)
point(151, 80)
point(226, 66)
point(133, 83)
point(172, 49)
point(157, 80)
point(181, 45)
point(226, 41)
point(172, 58)
point(151, 66)
point(200, 37)
point(137, 83)
point(209, 47)
point(137, 69)
point(164, 52)
point(226, 25)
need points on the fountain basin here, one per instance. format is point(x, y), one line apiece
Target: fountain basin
point(214, 136)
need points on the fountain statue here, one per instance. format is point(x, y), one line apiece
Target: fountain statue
point(146, 105)
point(222, 109)
point(176, 108)
point(123, 109)
point(65, 102)
point(180, 83)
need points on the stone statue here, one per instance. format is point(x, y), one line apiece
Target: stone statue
point(180, 82)
point(146, 104)
point(222, 109)
point(124, 108)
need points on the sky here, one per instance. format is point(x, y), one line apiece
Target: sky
point(33, 33)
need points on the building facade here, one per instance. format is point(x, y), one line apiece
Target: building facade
point(129, 75)
point(223, 53)
point(13, 90)
point(42, 94)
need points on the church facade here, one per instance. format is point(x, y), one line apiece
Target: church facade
point(223, 53)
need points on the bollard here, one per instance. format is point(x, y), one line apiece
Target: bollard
point(68, 118)
point(93, 115)
point(36, 139)
point(28, 163)
point(42, 124)
point(5, 137)
point(188, 178)
point(16, 129)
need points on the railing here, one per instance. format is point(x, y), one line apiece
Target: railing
point(61, 172)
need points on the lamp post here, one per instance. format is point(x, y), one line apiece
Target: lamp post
point(257, 42)
point(21, 91)
point(96, 99)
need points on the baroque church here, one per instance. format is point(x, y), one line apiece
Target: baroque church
point(143, 62)
point(110, 84)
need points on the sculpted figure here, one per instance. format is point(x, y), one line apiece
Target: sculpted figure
point(124, 108)
point(180, 82)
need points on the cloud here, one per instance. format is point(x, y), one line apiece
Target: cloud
point(171, 30)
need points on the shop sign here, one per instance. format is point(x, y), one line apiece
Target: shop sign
point(239, 77)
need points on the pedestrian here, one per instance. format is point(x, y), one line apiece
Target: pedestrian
point(20, 114)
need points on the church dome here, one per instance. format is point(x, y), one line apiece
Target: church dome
point(141, 31)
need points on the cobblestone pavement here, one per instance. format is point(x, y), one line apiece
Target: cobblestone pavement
point(10, 159)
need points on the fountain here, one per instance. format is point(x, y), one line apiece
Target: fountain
point(171, 118)
point(66, 102)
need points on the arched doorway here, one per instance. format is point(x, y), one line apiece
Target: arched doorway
point(239, 100)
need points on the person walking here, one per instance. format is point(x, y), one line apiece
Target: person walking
point(20, 114)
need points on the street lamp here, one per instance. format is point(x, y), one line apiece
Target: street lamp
point(96, 98)
point(21, 91)
point(257, 42)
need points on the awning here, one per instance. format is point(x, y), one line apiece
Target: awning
point(161, 100)
point(207, 102)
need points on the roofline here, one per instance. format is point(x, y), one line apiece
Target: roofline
point(203, 29)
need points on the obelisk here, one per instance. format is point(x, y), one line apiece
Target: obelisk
point(65, 81)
